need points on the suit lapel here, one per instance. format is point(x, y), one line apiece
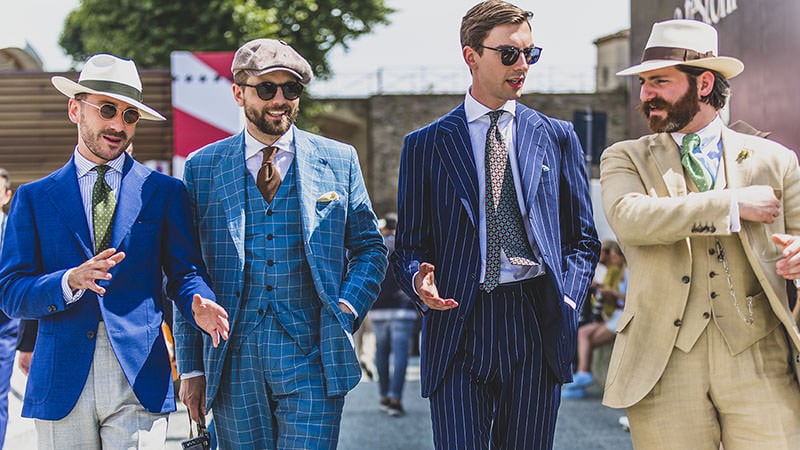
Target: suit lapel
point(667, 158)
point(454, 146)
point(531, 148)
point(231, 183)
point(737, 170)
point(131, 197)
point(65, 186)
point(309, 167)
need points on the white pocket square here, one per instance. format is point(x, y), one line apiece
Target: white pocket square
point(545, 168)
point(328, 197)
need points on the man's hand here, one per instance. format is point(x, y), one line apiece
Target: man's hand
point(211, 318)
point(95, 268)
point(193, 394)
point(758, 204)
point(789, 266)
point(24, 362)
point(425, 284)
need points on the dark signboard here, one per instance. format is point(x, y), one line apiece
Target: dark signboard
point(763, 34)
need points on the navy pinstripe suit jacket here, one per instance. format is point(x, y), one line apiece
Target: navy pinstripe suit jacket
point(438, 219)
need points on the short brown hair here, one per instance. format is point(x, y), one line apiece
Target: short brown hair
point(483, 17)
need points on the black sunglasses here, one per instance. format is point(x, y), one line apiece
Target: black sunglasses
point(109, 111)
point(509, 54)
point(267, 90)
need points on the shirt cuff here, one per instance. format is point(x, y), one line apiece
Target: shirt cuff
point(349, 305)
point(736, 221)
point(412, 283)
point(69, 297)
point(192, 374)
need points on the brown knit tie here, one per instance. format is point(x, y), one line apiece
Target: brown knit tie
point(269, 180)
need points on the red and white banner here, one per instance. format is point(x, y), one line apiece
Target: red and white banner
point(203, 109)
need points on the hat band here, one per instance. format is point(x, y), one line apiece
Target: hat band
point(113, 87)
point(674, 53)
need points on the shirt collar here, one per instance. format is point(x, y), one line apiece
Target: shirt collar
point(83, 165)
point(475, 110)
point(252, 146)
point(710, 134)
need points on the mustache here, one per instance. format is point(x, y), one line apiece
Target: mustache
point(117, 134)
point(655, 103)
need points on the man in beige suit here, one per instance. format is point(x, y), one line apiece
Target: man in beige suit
point(706, 347)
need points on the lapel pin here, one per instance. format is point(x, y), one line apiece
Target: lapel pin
point(743, 154)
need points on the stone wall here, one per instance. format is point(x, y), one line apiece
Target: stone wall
point(388, 118)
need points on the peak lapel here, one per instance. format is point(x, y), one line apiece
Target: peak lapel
point(454, 146)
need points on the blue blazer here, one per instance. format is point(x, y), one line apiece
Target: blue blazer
point(47, 234)
point(438, 223)
point(215, 176)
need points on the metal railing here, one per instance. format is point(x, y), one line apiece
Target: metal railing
point(444, 80)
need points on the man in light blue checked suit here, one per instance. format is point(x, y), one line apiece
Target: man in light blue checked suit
point(494, 196)
point(294, 254)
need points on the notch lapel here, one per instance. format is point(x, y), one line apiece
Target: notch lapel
point(667, 158)
point(231, 186)
point(531, 148)
point(130, 201)
point(65, 198)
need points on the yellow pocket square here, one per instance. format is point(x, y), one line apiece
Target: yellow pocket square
point(328, 197)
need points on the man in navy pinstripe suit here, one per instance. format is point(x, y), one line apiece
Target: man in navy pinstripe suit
point(494, 197)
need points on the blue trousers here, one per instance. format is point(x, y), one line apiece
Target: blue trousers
point(499, 392)
point(392, 339)
point(8, 348)
point(272, 395)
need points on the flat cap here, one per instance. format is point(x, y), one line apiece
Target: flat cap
point(263, 56)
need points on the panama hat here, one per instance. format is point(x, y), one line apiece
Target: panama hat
point(684, 42)
point(105, 74)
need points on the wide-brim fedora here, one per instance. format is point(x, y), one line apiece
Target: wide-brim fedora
point(106, 74)
point(684, 42)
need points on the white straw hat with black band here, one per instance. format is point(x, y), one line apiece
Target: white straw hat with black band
point(106, 74)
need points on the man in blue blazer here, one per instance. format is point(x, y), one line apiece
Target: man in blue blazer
point(294, 254)
point(8, 326)
point(493, 196)
point(85, 251)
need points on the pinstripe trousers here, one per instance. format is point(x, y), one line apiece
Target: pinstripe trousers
point(499, 392)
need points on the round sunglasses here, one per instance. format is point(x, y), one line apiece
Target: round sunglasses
point(267, 90)
point(510, 54)
point(109, 111)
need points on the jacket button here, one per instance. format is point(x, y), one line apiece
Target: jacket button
point(269, 237)
point(712, 274)
point(260, 311)
point(685, 279)
point(51, 308)
point(712, 229)
point(714, 295)
point(269, 288)
point(90, 335)
point(706, 315)
point(711, 251)
point(678, 322)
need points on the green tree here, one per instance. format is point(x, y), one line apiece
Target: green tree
point(148, 30)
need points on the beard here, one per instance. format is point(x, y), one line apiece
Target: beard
point(679, 114)
point(270, 126)
point(95, 143)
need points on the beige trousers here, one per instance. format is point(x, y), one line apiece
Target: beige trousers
point(750, 401)
point(108, 415)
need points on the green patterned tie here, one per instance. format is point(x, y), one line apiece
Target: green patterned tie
point(103, 204)
point(698, 174)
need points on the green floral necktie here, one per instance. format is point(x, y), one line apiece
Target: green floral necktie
point(103, 204)
point(698, 174)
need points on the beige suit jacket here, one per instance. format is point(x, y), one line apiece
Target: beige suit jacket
point(653, 213)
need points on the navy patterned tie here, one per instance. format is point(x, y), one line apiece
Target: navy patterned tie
point(103, 205)
point(504, 227)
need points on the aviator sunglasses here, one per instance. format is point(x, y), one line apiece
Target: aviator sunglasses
point(267, 90)
point(109, 111)
point(509, 54)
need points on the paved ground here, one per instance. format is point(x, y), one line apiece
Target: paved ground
point(582, 424)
